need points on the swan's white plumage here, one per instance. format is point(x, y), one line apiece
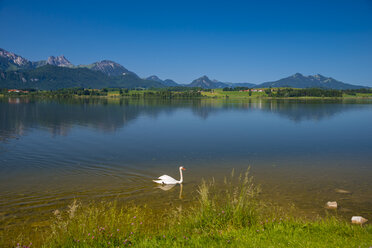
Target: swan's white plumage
point(165, 179)
point(158, 181)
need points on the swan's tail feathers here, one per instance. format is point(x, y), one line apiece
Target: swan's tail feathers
point(158, 181)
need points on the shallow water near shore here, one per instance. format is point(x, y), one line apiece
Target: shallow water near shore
point(301, 152)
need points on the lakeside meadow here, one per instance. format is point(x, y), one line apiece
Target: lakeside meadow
point(195, 92)
point(227, 215)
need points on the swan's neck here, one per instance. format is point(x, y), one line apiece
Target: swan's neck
point(181, 176)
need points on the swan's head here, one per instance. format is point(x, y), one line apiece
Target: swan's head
point(182, 168)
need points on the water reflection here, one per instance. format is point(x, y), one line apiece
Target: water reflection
point(58, 116)
point(54, 150)
point(167, 187)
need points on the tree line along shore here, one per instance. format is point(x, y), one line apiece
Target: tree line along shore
point(187, 92)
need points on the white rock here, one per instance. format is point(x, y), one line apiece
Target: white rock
point(358, 220)
point(331, 205)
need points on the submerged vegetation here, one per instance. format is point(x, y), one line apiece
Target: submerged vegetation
point(225, 215)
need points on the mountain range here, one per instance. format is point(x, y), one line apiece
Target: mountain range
point(205, 83)
point(317, 81)
point(58, 72)
point(166, 82)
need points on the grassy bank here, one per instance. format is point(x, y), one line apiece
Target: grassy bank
point(232, 215)
point(220, 93)
point(196, 93)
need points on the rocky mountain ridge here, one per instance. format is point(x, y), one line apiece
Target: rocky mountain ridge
point(59, 61)
point(109, 68)
point(18, 71)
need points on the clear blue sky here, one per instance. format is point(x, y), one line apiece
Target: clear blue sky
point(234, 41)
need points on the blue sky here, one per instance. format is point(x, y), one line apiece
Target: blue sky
point(233, 41)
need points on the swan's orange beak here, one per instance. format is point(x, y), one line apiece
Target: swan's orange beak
point(183, 168)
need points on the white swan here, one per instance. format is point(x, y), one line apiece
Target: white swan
point(165, 179)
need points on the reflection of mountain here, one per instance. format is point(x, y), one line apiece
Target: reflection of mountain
point(60, 115)
point(21, 114)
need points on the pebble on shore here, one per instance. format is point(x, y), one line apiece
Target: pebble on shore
point(331, 205)
point(358, 220)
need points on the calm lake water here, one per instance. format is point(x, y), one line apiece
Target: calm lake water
point(300, 152)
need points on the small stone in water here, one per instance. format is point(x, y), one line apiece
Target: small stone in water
point(358, 220)
point(331, 205)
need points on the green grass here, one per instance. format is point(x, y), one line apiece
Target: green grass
point(214, 94)
point(113, 93)
point(230, 215)
point(358, 95)
point(219, 93)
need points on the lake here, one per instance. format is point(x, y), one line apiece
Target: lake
point(302, 152)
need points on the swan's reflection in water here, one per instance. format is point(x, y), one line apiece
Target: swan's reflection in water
point(167, 187)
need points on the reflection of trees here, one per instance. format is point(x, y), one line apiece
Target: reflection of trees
point(292, 109)
point(59, 115)
point(316, 110)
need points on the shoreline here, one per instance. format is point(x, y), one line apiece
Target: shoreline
point(233, 215)
point(191, 98)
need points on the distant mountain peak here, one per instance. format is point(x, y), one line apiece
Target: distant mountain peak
point(170, 82)
point(166, 82)
point(110, 68)
point(318, 77)
point(204, 79)
point(59, 61)
point(109, 63)
point(316, 81)
point(13, 58)
point(297, 75)
point(206, 83)
point(154, 78)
